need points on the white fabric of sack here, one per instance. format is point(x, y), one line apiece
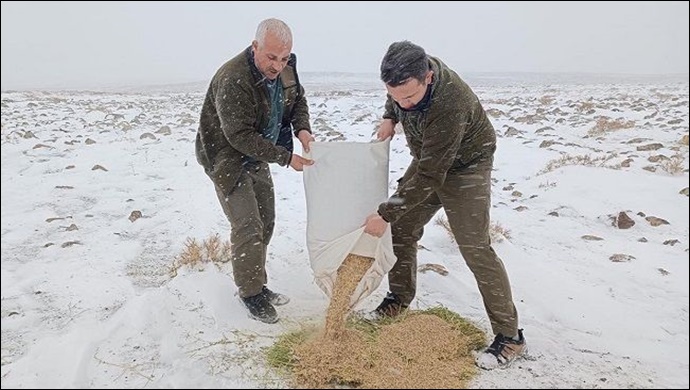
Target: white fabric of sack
point(346, 183)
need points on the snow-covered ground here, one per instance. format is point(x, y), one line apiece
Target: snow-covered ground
point(88, 299)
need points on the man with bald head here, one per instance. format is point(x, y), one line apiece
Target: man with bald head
point(253, 106)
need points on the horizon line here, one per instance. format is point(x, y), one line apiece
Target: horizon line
point(144, 85)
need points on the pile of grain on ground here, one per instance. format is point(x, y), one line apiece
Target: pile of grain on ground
point(349, 274)
point(428, 349)
point(418, 351)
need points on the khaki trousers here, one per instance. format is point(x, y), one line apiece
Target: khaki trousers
point(466, 198)
point(250, 208)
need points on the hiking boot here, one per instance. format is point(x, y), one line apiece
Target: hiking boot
point(390, 307)
point(502, 352)
point(260, 308)
point(275, 298)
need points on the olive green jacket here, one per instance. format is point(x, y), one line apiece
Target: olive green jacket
point(451, 132)
point(236, 109)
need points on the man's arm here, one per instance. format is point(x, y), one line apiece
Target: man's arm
point(389, 112)
point(442, 139)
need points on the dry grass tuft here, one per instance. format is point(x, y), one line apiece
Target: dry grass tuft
point(195, 254)
point(548, 184)
point(497, 232)
point(442, 221)
point(584, 160)
point(674, 165)
point(546, 100)
point(584, 107)
point(606, 125)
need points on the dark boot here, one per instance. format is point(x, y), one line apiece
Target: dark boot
point(390, 307)
point(275, 298)
point(260, 308)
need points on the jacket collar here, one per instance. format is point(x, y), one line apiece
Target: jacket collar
point(258, 77)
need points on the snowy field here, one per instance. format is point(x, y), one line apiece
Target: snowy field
point(89, 299)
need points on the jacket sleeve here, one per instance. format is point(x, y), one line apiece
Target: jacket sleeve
point(300, 113)
point(442, 139)
point(238, 112)
point(390, 110)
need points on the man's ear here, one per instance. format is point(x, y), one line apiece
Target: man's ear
point(429, 76)
point(255, 45)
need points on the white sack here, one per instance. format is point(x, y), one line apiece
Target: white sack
point(346, 183)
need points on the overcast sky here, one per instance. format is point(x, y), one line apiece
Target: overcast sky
point(88, 44)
